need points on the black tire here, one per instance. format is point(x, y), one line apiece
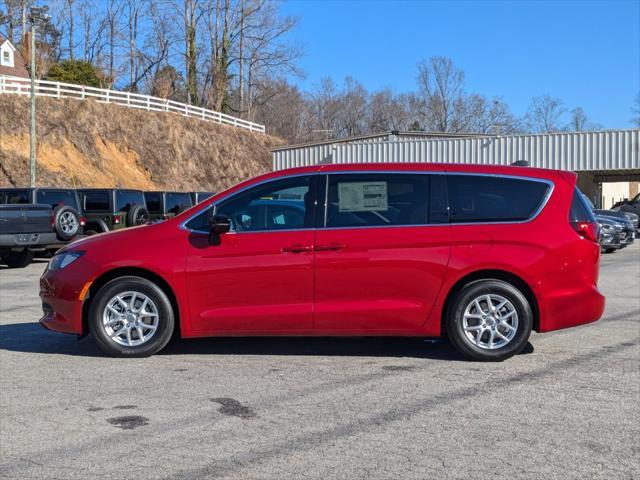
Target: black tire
point(88, 233)
point(465, 297)
point(18, 259)
point(609, 250)
point(137, 215)
point(66, 222)
point(137, 284)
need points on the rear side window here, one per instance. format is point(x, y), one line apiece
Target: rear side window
point(125, 199)
point(154, 202)
point(96, 201)
point(176, 202)
point(580, 209)
point(379, 199)
point(57, 197)
point(482, 198)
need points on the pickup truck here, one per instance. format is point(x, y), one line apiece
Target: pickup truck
point(24, 229)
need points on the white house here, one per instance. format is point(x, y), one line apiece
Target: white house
point(11, 60)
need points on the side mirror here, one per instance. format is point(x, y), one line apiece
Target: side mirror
point(218, 224)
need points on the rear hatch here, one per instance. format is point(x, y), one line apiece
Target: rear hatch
point(23, 218)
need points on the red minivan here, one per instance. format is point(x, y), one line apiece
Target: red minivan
point(482, 254)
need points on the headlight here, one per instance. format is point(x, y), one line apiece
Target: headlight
point(60, 261)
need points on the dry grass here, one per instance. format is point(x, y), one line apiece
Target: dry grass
point(89, 144)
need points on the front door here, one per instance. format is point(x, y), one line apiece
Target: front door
point(259, 279)
point(382, 257)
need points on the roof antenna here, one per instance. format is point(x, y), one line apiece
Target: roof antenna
point(521, 163)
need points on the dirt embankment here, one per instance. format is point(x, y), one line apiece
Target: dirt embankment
point(90, 144)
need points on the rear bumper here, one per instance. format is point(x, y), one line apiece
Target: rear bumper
point(28, 240)
point(569, 308)
point(33, 241)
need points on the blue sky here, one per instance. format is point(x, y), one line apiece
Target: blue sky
point(586, 53)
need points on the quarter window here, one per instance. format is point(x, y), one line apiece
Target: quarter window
point(178, 202)
point(482, 198)
point(153, 201)
point(126, 198)
point(370, 200)
point(96, 201)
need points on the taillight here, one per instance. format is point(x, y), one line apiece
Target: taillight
point(588, 230)
point(116, 219)
point(83, 221)
point(53, 221)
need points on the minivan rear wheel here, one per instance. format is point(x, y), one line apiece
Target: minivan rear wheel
point(131, 317)
point(489, 320)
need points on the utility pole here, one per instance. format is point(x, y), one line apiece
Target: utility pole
point(36, 14)
point(32, 132)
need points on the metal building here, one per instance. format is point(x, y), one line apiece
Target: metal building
point(602, 156)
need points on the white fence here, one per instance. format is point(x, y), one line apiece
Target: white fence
point(44, 88)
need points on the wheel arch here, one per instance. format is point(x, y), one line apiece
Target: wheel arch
point(99, 223)
point(492, 274)
point(109, 275)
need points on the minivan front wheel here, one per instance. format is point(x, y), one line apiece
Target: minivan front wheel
point(131, 317)
point(489, 320)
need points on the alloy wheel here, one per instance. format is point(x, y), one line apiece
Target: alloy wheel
point(490, 321)
point(130, 318)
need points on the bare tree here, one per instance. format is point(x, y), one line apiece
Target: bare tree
point(579, 120)
point(440, 90)
point(636, 111)
point(545, 113)
point(10, 18)
point(387, 112)
point(113, 13)
point(353, 108)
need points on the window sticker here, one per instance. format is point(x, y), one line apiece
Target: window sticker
point(362, 197)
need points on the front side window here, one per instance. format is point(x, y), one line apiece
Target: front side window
point(377, 199)
point(57, 197)
point(125, 199)
point(485, 198)
point(283, 204)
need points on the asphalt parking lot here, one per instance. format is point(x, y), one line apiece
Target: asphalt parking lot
point(568, 407)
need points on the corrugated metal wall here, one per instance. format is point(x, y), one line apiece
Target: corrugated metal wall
point(577, 151)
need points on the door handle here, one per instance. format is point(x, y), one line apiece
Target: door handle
point(333, 247)
point(297, 248)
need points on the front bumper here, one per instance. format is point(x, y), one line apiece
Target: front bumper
point(61, 301)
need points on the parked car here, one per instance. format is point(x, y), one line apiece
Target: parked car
point(109, 209)
point(164, 205)
point(615, 213)
point(622, 220)
point(611, 234)
point(65, 223)
point(197, 197)
point(482, 254)
point(24, 229)
point(627, 205)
